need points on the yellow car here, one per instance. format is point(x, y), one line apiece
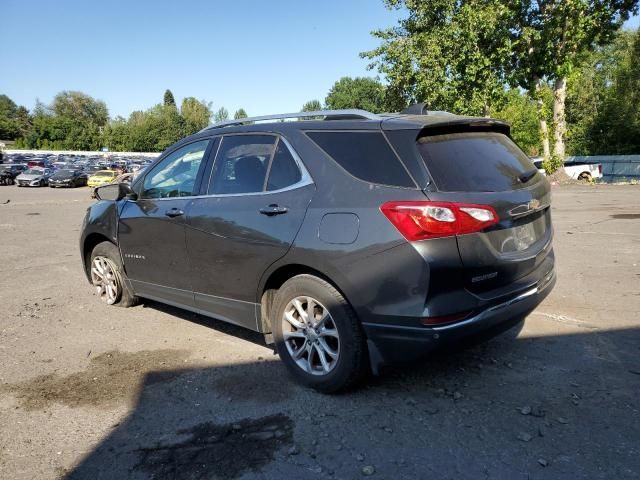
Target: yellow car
point(101, 177)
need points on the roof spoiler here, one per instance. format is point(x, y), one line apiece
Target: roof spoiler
point(421, 109)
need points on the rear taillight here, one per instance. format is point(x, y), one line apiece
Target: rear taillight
point(423, 220)
point(600, 168)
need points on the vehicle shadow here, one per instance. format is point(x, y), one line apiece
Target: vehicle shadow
point(217, 325)
point(555, 406)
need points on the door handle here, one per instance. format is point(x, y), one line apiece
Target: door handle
point(273, 209)
point(174, 212)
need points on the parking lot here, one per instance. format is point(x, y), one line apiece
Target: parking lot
point(98, 392)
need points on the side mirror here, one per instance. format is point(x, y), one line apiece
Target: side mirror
point(114, 192)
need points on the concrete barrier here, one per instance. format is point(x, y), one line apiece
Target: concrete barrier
point(614, 167)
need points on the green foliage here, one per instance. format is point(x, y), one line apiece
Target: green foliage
point(458, 55)
point(449, 54)
point(360, 92)
point(619, 119)
point(196, 114)
point(311, 106)
point(73, 121)
point(80, 107)
point(221, 115)
point(14, 120)
point(520, 111)
point(240, 113)
point(169, 100)
point(552, 164)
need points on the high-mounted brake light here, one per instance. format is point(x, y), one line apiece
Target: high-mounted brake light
point(423, 220)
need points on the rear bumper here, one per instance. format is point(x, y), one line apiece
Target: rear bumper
point(396, 345)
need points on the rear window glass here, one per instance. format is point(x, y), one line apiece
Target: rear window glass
point(476, 162)
point(365, 155)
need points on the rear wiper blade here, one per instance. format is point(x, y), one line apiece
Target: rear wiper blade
point(526, 176)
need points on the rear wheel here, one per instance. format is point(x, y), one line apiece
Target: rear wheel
point(317, 335)
point(108, 277)
point(586, 176)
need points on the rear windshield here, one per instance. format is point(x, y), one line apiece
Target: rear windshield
point(365, 155)
point(476, 162)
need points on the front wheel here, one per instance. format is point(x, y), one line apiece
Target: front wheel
point(108, 277)
point(317, 335)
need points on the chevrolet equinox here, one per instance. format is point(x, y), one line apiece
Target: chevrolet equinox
point(350, 240)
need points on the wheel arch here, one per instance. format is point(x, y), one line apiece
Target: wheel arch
point(274, 279)
point(88, 245)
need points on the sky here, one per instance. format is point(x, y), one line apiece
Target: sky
point(264, 56)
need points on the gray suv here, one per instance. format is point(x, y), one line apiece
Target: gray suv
point(350, 240)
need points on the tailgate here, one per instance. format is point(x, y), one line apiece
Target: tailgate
point(487, 168)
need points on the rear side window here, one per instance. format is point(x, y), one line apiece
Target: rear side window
point(284, 171)
point(476, 162)
point(365, 155)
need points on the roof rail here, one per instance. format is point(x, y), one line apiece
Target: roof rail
point(350, 114)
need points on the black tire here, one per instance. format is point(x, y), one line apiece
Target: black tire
point(351, 365)
point(585, 176)
point(107, 250)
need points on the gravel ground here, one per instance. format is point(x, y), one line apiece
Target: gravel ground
point(95, 392)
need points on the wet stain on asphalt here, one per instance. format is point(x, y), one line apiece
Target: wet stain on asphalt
point(625, 216)
point(223, 451)
point(111, 376)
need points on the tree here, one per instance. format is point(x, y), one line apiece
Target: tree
point(169, 101)
point(221, 115)
point(360, 92)
point(551, 38)
point(603, 102)
point(520, 111)
point(73, 121)
point(15, 120)
point(196, 114)
point(240, 113)
point(311, 106)
point(450, 54)
point(79, 107)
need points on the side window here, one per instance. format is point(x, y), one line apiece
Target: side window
point(241, 164)
point(365, 155)
point(175, 176)
point(284, 170)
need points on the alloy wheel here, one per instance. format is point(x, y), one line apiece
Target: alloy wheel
point(104, 278)
point(310, 335)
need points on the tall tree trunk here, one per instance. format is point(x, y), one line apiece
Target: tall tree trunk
point(544, 130)
point(559, 118)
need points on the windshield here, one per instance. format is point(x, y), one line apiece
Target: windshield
point(33, 171)
point(65, 173)
point(104, 174)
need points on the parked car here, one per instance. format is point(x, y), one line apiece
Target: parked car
point(37, 163)
point(68, 178)
point(9, 172)
point(101, 177)
point(583, 171)
point(124, 178)
point(34, 177)
point(577, 171)
point(351, 242)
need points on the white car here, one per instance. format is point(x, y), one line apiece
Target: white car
point(577, 171)
point(34, 177)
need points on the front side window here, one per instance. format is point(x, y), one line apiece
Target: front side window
point(241, 164)
point(175, 175)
